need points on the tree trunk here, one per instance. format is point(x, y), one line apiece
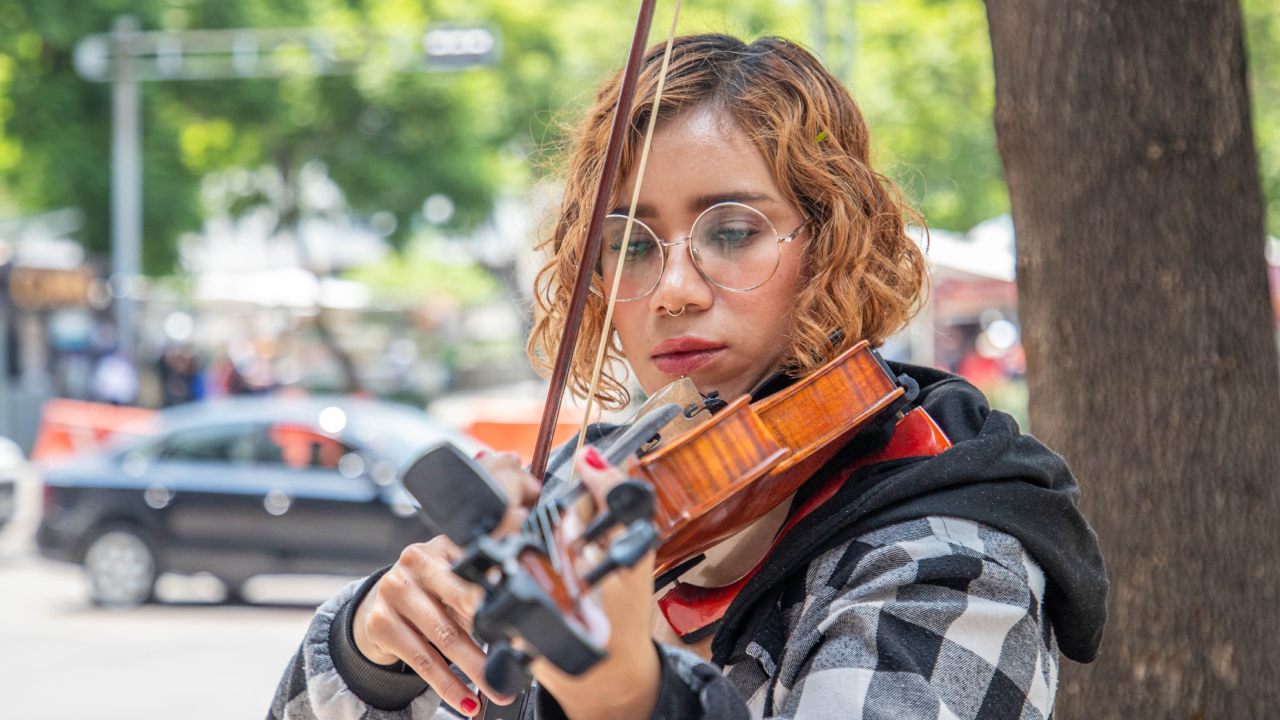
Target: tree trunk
point(1125, 133)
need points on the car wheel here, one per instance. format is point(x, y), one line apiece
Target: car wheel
point(233, 591)
point(122, 567)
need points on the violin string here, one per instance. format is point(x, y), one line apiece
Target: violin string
point(532, 525)
point(626, 234)
point(566, 492)
point(565, 489)
point(548, 536)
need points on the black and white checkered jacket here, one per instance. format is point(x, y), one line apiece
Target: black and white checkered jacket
point(932, 618)
point(917, 592)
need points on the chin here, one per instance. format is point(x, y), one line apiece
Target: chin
point(727, 388)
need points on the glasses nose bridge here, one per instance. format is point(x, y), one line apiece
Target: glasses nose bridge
point(666, 246)
point(673, 243)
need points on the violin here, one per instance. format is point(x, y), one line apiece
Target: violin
point(749, 457)
point(685, 496)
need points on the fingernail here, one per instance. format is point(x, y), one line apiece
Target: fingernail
point(593, 459)
point(468, 705)
point(481, 454)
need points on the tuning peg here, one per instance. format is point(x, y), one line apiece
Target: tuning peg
point(626, 550)
point(627, 502)
point(506, 669)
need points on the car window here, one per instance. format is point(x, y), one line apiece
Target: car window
point(233, 444)
point(400, 436)
point(302, 448)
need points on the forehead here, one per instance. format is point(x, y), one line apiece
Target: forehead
point(704, 129)
point(699, 153)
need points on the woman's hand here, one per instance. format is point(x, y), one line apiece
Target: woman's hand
point(625, 684)
point(420, 611)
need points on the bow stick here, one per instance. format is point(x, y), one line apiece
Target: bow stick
point(591, 250)
point(590, 255)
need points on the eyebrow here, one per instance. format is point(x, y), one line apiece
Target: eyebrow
point(699, 203)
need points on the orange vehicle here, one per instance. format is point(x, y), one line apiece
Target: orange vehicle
point(72, 427)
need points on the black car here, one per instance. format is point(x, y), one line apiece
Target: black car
point(242, 487)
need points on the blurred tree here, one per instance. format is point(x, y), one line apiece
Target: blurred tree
point(1262, 26)
point(1126, 137)
point(390, 140)
point(922, 73)
point(920, 69)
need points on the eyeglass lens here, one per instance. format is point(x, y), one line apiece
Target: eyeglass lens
point(733, 245)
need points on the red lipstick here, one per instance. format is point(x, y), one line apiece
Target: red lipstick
point(683, 355)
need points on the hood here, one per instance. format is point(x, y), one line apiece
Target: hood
point(993, 474)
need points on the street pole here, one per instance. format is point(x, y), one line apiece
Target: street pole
point(126, 186)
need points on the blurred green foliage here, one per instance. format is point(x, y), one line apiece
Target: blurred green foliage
point(1262, 30)
point(920, 68)
point(924, 78)
point(399, 278)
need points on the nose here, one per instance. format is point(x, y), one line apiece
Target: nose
point(681, 285)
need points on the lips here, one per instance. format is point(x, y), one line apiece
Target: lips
point(683, 355)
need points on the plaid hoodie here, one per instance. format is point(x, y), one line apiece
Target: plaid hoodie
point(880, 607)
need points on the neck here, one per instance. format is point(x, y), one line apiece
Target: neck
point(733, 557)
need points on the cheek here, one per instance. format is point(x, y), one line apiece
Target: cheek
point(766, 324)
point(628, 322)
point(772, 306)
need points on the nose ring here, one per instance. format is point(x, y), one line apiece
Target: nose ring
point(676, 314)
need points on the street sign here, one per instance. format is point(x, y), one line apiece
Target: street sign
point(246, 53)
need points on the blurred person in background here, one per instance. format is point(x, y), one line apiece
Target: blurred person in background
point(181, 379)
point(114, 379)
point(222, 377)
point(760, 230)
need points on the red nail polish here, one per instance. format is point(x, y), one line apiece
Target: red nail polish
point(468, 705)
point(481, 454)
point(593, 459)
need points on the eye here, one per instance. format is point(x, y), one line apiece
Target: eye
point(732, 235)
point(638, 249)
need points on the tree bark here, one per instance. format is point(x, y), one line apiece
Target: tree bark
point(1125, 132)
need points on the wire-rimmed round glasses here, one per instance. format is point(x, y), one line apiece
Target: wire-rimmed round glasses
point(733, 246)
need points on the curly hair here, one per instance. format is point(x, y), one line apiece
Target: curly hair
point(863, 274)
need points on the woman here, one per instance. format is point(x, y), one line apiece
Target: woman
point(934, 587)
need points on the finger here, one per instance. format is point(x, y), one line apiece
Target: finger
point(441, 605)
point(520, 487)
point(512, 521)
point(401, 639)
point(464, 621)
point(596, 473)
point(520, 491)
point(431, 570)
point(439, 625)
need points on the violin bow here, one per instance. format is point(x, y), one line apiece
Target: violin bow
point(591, 250)
point(590, 255)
